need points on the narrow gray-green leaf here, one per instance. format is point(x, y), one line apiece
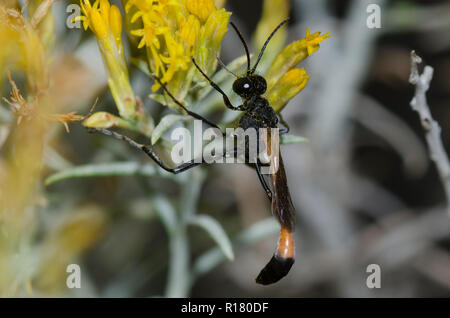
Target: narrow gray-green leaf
point(178, 271)
point(288, 139)
point(104, 170)
point(165, 123)
point(167, 214)
point(216, 231)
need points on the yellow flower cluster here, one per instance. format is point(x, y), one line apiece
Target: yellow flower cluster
point(175, 30)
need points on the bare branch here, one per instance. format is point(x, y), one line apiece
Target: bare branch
point(430, 126)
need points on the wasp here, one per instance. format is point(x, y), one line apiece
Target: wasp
point(256, 114)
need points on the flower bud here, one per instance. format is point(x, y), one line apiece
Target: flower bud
point(293, 54)
point(103, 120)
point(289, 85)
point(98, 25)
point(115, 21)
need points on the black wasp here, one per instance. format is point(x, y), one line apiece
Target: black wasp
point(257, 113)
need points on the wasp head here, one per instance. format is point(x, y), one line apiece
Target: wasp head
point(249, 86)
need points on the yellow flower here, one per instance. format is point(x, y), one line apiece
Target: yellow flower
point(189, 31)
point(96, 17)
point(105, 21)
point(201, 8)
point(312, 41)
point(210, 39)
point(177, 59)
point(293, 54)
point(157, 27)
point(115, 22)
point(289, 85)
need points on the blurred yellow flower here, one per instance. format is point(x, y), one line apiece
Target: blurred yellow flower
point(27, 45)
point(274, 11)
point(65, 242)
point(23, 109)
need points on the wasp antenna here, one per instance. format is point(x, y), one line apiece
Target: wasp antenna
point(225, 67)
point(247, 52)
point(267, 42)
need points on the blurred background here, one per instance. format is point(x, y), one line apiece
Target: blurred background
point(364, 186)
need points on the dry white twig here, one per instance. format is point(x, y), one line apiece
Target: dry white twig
point(430, 126)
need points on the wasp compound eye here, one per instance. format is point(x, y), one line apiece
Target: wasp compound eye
point(243, 87)
point(259, 84)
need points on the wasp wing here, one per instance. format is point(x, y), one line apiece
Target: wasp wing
point(284, 257)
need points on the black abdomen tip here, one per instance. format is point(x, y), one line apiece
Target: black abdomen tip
point(276, 269)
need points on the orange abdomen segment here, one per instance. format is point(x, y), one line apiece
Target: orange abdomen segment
point(286, 245)
point(281, 262)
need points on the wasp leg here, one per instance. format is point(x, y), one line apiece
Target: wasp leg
point(256, 165)
point(286, 128)
point(195, 115)
point(261, 179)
point(148, 151)
point(186, 166)
point(226, 100)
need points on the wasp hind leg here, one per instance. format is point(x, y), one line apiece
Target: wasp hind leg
point(262, 180)
point(147, 150)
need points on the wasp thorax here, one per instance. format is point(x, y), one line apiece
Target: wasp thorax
point(249, 86)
